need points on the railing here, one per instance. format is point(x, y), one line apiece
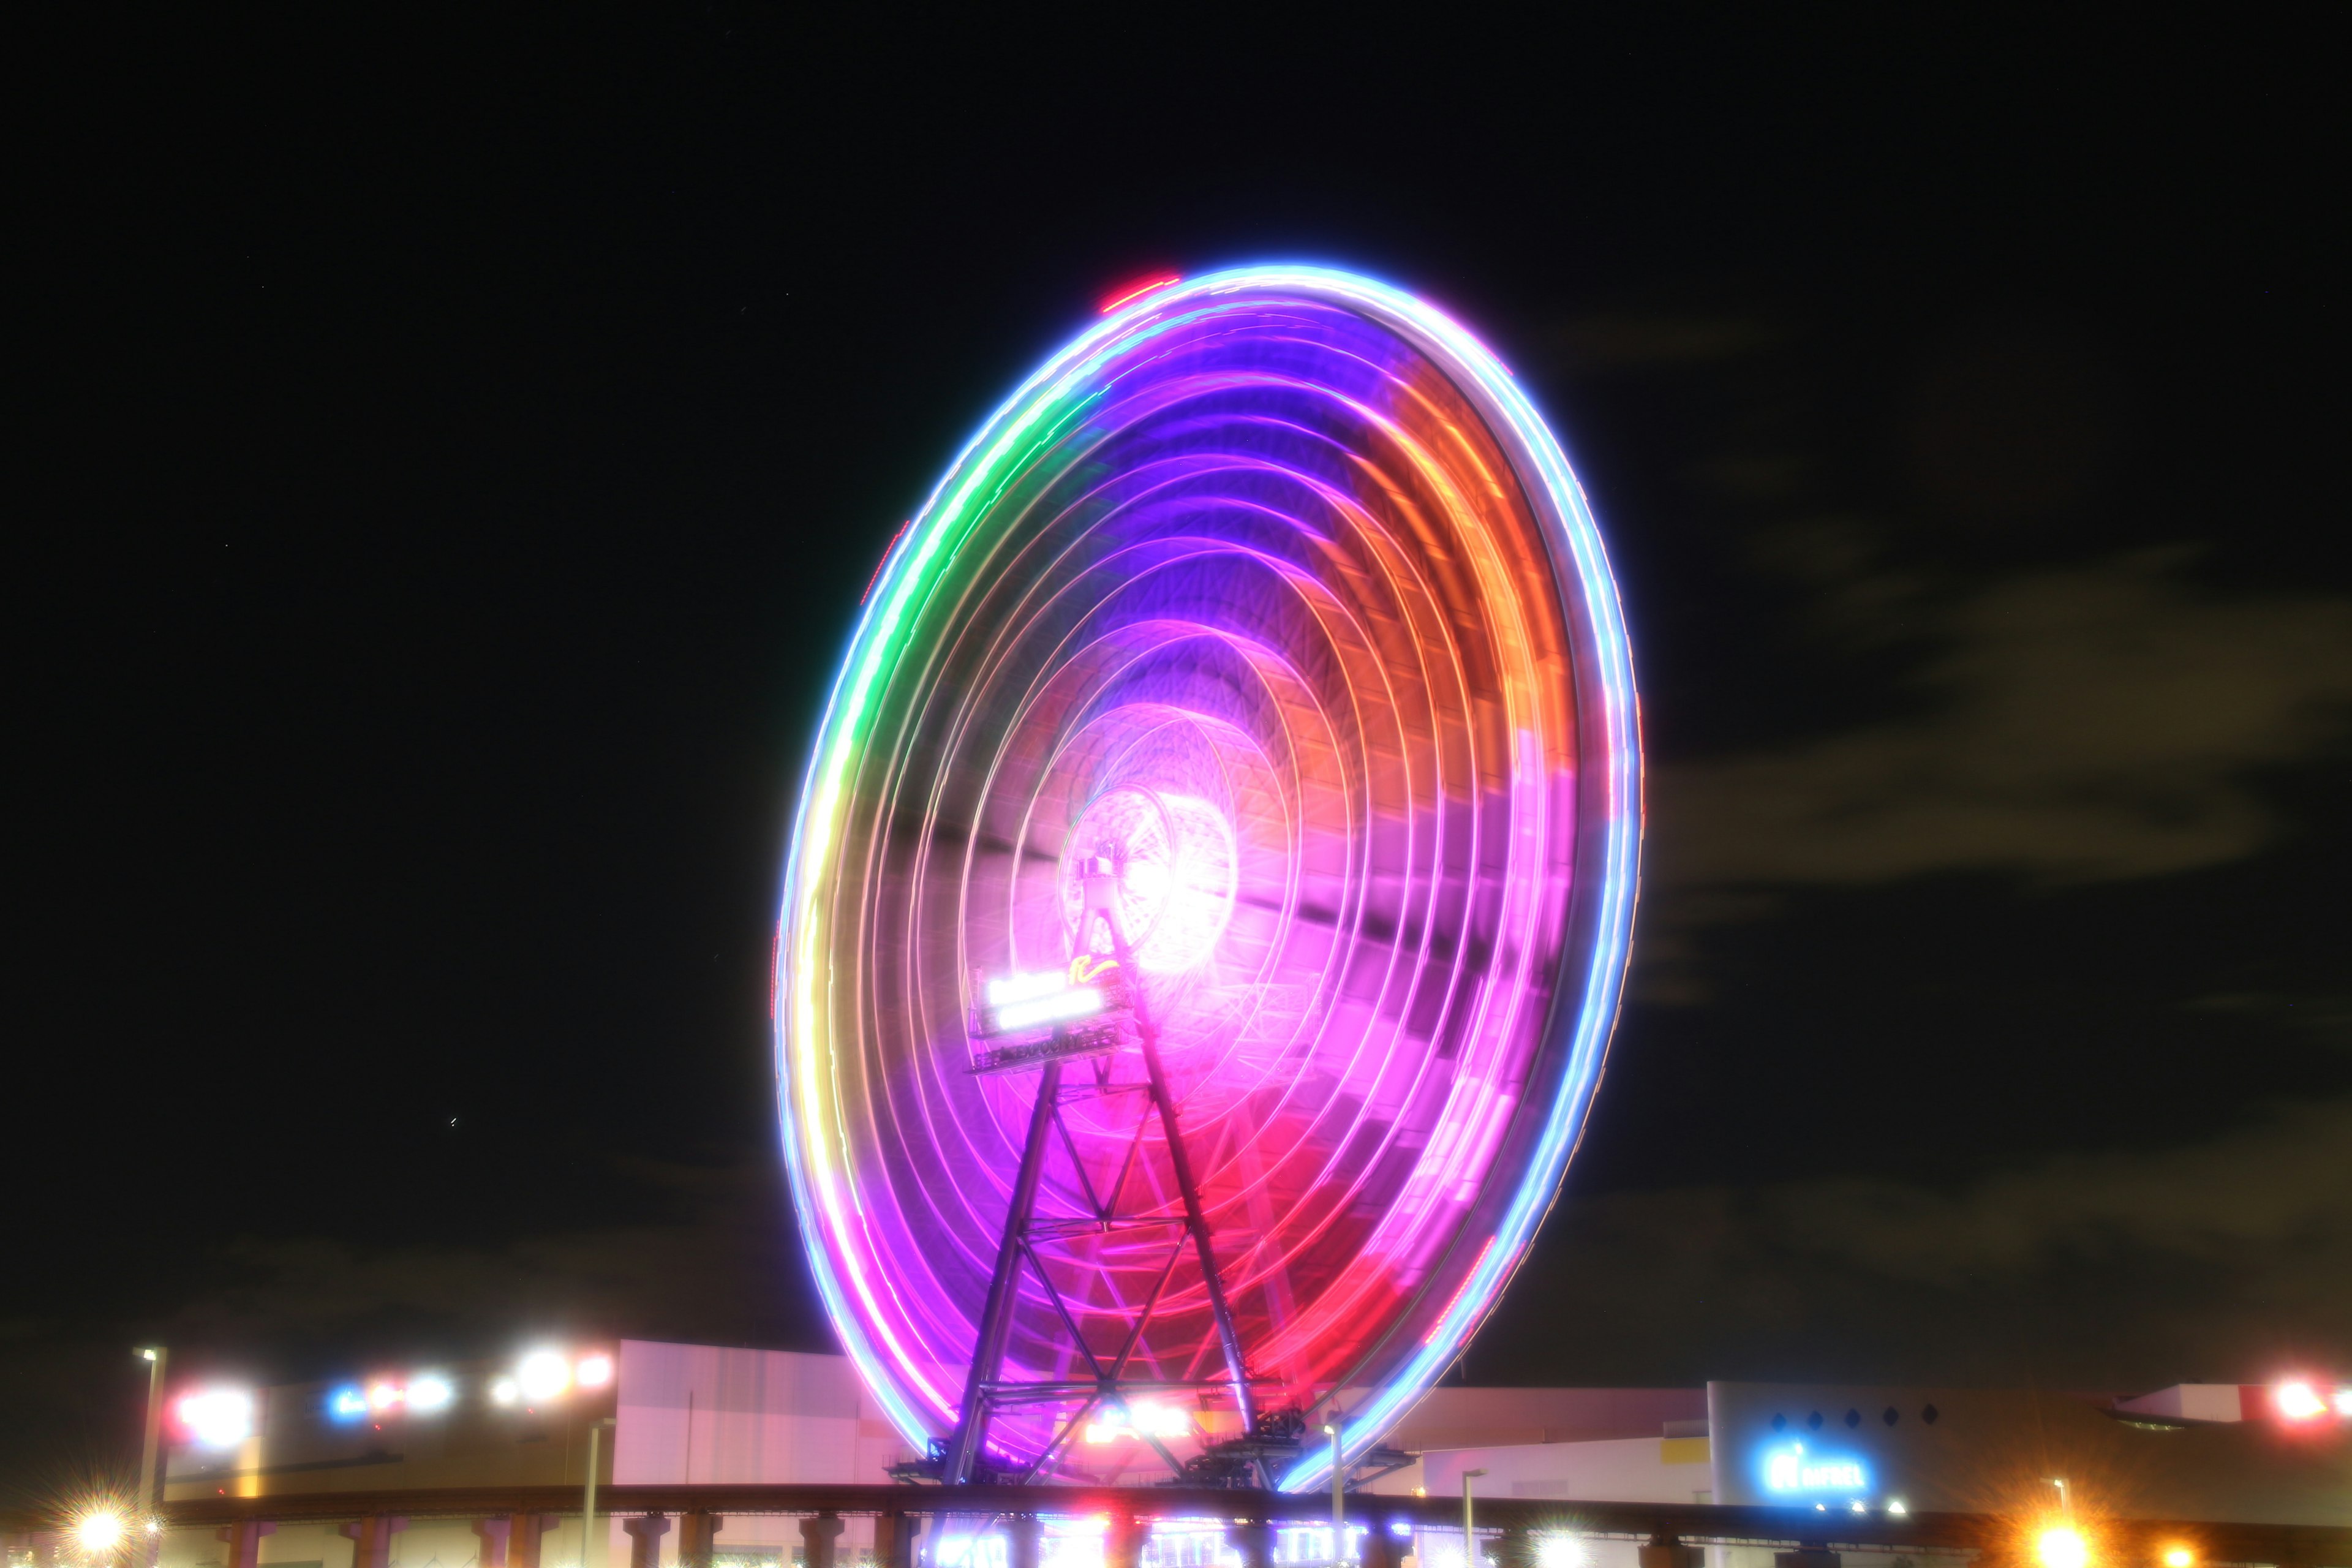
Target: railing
point(1510, 1530)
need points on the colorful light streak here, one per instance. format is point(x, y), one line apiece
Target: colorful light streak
point(1287, 549)
point(1128, 293)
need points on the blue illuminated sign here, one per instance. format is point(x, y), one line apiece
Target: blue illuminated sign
point(347, 1405)
point(1789, 1470)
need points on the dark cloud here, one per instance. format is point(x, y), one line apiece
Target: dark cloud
point(2015, 422)
point(722, 1264)
point(1619, 341)
point(2082, 723)
point(2225, 1257)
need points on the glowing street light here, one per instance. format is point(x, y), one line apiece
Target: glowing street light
point(2179, 1557)
point(99, 1533)
point(1559, 1551)
point(2061, 1546)
point(218, 1417)
point(542, 1375)
point(2298, 1401)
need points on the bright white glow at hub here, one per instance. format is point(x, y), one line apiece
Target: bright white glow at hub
point(593, 1371)
point(430, 1392)
point(383, 1397)
point(1897, 1507)
point(1559, 1551)
point(543, 1375)
point(1143, 1419)
point(218, 1417)
point(1083, 1002)
point(2298, 1401)
point(503, 1392)
point(1178, 873)
point(2178, 1557)
point(2344, 1402)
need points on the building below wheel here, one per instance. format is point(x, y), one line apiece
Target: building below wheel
point(2277, 1455)
point(658, 1414)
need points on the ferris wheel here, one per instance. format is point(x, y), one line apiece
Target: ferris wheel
point(1210, 894)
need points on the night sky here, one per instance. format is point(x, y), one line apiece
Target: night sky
point(449, 460)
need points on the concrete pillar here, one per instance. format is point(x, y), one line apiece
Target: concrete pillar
point(1022, 1534)
point(371, 1540)
point(244, 1542)
point(697, 1533)
point(528, 1533)
point(1123, 1542)
point(818, 1532)
point(893, 1540)
point(1254, 1542)
point(645, 1532)
point(497, 1535)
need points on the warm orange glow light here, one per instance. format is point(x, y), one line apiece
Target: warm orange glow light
point(2298, 1401)
point(2060, 1547)
point(2178, 1557)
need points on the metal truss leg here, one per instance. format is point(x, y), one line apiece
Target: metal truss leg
point(1003, 1287)
point(1196, 1219)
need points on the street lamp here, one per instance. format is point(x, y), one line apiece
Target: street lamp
point(588, 1496)
point(1469, 1536)
point(1339, 1493)
point(151, 1484)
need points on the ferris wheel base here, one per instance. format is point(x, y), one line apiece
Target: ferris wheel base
point(1240, 1464)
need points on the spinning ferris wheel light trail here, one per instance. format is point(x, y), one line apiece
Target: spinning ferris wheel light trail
point(1210, 892)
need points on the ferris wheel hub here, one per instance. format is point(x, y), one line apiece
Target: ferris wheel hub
point(1162, 864)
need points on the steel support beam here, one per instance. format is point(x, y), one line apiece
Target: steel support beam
point(1003, 1285)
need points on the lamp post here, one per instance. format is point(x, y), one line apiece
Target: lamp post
point(1338, 1492)
point(151, 1447)
point(588, 1554)
point(1469, 1535)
